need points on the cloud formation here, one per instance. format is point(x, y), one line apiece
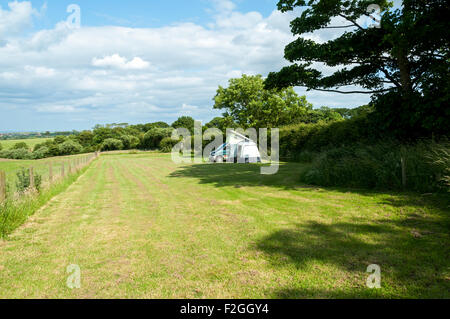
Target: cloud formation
point(116, 61)
point(16, 19)
point(119, 74)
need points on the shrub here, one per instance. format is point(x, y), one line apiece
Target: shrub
point(439, 159)
point(53, 150)
point(41, 152)
point(112, 144)
point(315, 137)
point(59, 139)
point(20, 145)
point(89, 149)
point(38, 146)
point(129, 141)
point(16, 154)
point(167, 144)
point(23, 180)
point(379, 166)
point(1, 146)
point(70, 147)
point(306, 157)
point(154, 136)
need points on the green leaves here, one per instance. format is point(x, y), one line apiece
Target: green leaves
point(408, 57)
point(250, 104)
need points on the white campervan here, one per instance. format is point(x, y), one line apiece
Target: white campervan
point(238, 149)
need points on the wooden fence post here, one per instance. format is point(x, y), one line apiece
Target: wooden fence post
point(62, 170)
point(2, 186)
point(31, 177)
point(69, 169)
point(403, 172)
point(50, 172)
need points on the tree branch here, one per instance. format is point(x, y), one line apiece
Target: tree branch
point(386, 73)
point(353, 92)
point(352, 21)
point(339, 27)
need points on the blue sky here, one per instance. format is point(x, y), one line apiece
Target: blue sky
point(142, 14)
point(135, 61)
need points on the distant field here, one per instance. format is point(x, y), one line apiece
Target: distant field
point(31, 142)
point(41, 167)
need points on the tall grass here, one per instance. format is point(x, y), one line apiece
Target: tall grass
point(379, 166)
point(15, 211)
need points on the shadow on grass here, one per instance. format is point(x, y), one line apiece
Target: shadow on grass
point(221, 175)
point(288, 177)
point(410, 267)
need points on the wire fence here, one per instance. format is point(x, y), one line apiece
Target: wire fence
point(17, 175)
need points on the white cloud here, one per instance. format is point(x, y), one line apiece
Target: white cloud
point(16, 19)
point(57, 109)
point(40, 71)
point(224, 6)
point(83, 71)
point(116, 61)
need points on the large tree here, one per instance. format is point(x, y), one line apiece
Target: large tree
point(249, 104)
point(186, 122)
point(403, 63)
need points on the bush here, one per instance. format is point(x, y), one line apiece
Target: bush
point(41, 152)
point(439, 159)
point(1, 146)
point(22, 153)
point(154, 136)
point(89, 149)
point(20, 145)
point(112, 144)
point(70, 147)
point(23, 180)
point(53, 150)
point(59, 139)
point(295, 139)
point(38, 146)
point(167, 144)
point(129, 141)
point(379, 167)
point(306, 157)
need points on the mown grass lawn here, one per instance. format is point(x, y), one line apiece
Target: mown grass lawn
point(140, 226)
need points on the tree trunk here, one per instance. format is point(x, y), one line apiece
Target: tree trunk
point(405, 74)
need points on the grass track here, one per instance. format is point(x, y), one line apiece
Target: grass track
point(140, 226)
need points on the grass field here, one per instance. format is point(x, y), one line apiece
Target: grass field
point(31, 142)
point(41, 167)
point(140, 226)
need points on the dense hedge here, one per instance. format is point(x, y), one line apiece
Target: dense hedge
point(112, 144)
point(379, 166)
point(295, 139)
point(153, 137)
point(167, 144)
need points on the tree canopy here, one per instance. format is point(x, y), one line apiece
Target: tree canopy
point(249, 104)
point(186, 122)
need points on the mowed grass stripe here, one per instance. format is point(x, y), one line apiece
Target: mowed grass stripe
point(140, 226)
point(44, 243)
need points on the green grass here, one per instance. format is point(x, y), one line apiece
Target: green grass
point(31, 142)
point(140, 226)
point(41, 167)
point(15, 212)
